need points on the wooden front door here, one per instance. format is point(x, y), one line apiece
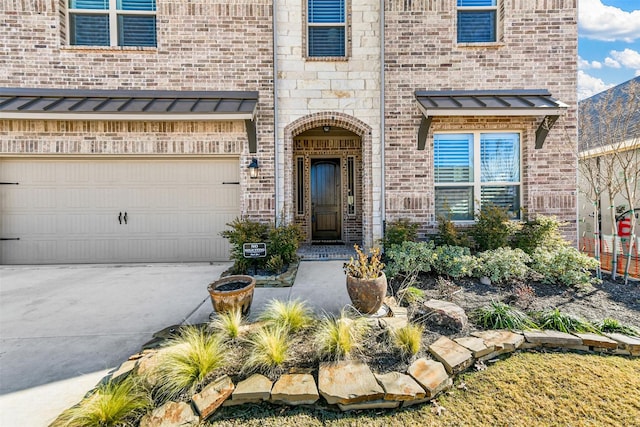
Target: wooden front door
point(325, 199)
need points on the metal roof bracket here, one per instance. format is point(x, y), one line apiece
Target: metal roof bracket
point(544, 128)
point(425, 124)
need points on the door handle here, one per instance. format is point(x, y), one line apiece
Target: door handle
point(120, 218)
point(125, 217)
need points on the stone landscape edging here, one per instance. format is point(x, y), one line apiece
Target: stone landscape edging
point(351, 385)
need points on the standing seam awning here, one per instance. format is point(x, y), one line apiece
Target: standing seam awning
point(489, 103)
point(136, 105)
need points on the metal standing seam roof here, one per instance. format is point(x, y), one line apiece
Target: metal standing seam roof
point(127, 104)
point(497, 102)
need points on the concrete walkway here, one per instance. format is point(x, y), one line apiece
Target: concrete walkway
point(62, 328)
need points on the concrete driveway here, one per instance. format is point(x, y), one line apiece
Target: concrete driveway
point(62, 328)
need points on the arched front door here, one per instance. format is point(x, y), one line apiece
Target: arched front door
point(325, 199)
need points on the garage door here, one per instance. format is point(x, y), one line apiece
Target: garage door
point(105, 211)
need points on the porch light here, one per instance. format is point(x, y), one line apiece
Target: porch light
point(253, 168)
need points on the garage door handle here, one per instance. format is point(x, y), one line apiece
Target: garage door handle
point(125, 217)
point(120, 218)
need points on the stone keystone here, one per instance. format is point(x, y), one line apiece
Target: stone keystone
point(400, 387)
point(628, 343)
point(212, 396)
point(453, 356)
point(595, 340)
point(295, 389)
point(431, 375)
point(348, 382)
point(552, 338)
point(171, 414)
point(477, 346)
point(446, 314)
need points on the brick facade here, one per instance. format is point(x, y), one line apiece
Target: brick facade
point(217, 45)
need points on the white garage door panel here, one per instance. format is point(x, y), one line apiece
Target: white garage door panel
point(67, 211)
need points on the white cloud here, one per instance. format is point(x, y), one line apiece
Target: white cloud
point(583, 64)
point(600, 22)
point(629, 58)
point(595, 64)
point(589, 85)
point(611, 63)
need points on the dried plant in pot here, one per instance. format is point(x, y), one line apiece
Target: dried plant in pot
point(366, 281)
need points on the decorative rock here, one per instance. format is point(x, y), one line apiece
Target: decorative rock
point(595, 340)
point(295, 389)
point(212, 396)
point(124, 369)
point(147, 366)
point(446, 314)
point(255, 389)
point(400, 387)
point(552, 338)
point(501, 340)
point(393, 323)
point(171, 414)
point(477, 346)
point(453, 356)
point(348, 382)
point(632, 345)
point(431, 375)
point(485, 281)
point(373, 404)
point(399, 311)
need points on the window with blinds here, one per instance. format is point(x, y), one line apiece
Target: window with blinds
point(112, 22)
point(477, 21)
point(326, 28)
point(471, 169)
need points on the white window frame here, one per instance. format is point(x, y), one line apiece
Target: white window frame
point(477, 183)
point(496, 24)
point(113, 14)
point(328, 24)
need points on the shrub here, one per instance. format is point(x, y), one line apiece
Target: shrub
point(449, 234)
point(446, 289)
point(340, 338)
point(410, 294)
point(291, 315)
point(564, 265)
point(523, 295)
point(492, 228)
point(563, 322)
point(499, 315)
point(407, 339)
point(410, 258)
point(399, 231)
point(612, 325)
point(454, 261)
point(187, 361)
point(365, 267)
point(228, 323)
point(542, 232)
point(275, 264)
point(284, 241)
point(243, 231)
point(111, 404)
point(268, 349)
point(502, 265)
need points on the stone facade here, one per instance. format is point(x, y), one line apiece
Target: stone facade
point(228, 45)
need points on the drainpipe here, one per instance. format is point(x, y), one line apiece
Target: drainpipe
point(275, 112)
point(382, 120)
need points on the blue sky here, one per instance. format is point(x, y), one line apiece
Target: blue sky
point(608, 44)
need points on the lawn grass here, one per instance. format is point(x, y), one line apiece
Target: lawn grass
point(527, 389)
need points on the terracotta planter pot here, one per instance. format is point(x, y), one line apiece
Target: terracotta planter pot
point(367, 295)
point(232, 292)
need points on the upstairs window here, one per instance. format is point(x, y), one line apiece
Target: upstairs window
point(476, 168)
point(112, 22)
point(326, 28)
point(477, 21)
